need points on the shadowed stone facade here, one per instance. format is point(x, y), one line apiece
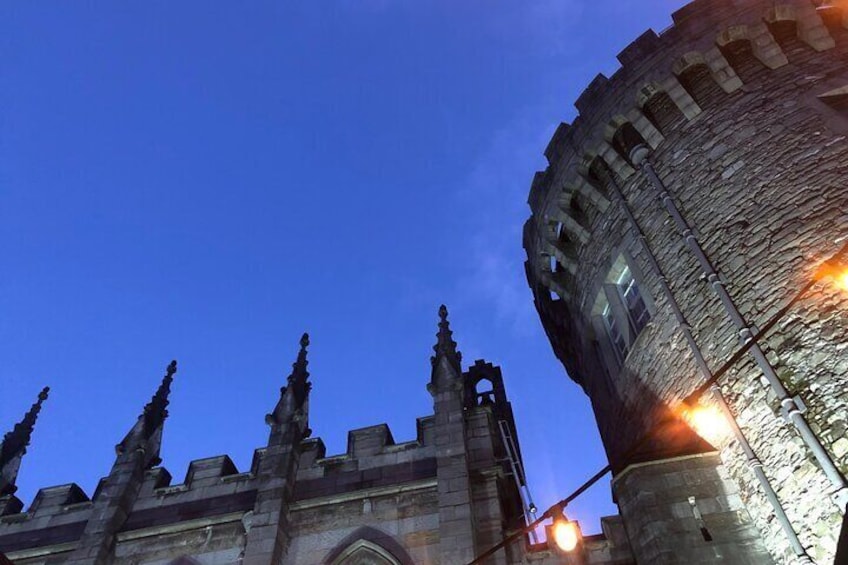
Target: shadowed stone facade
point(442, 498)
point(699, 189)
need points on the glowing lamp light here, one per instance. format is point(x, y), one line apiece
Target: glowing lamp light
point(566, 533)
point(842, 280)
point(836, 272)
point(707, 421)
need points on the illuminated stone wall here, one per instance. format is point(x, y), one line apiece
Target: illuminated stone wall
point(743, 105)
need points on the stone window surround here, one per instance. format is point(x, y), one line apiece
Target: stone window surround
point(602, 289)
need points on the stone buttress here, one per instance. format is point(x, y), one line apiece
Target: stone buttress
point(113, 504)
point(269, 531)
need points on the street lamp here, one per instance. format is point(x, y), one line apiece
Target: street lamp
point(707, 421)
point(565, 533)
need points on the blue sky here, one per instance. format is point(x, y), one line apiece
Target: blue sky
point(207, 180)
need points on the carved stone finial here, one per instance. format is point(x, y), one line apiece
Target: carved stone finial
point(156, 411)
point(445, 345)
point(14, 444)
point(298, 380)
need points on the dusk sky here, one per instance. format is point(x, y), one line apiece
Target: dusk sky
point(205, 181)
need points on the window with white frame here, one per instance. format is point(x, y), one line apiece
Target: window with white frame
point(619, 314)
point(614, 334)
point(637, 312)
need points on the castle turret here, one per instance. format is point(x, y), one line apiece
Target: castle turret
point(268, 534)
point(137, 452)
point(12, 450)
point(692, 201)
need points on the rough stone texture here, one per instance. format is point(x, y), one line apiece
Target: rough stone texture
point(761, 173)
point(658, 502)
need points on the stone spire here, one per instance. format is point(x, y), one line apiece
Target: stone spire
point(114, 502)
point(156, 410)
point(445, 347)
point(297, 381)
point(14, 445)
point(293, 396)
point(148, 429)
point(268, 531)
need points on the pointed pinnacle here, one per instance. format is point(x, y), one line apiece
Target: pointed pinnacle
point(445, 345)
point(36, 408)
point(156, 411)
point(297, 380)
point(15, 442)
point(299, 366)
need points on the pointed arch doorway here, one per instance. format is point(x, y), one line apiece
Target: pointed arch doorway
point(364, 552)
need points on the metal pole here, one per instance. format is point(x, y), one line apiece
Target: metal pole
point(639, 156)
point(750, 456)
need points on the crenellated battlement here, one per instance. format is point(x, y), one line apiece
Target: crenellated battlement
point(294, 498)
point(663, 84)
point(720, 141)
point(372, 459)
point(214, 485)
point(48, 500)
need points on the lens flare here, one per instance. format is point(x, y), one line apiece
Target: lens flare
point(842, 280)
point(833, 273)
point(566, 535)
point(708, 422)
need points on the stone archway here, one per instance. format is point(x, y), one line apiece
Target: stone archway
point(364, 552)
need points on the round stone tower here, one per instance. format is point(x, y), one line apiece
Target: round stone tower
point(701, 187)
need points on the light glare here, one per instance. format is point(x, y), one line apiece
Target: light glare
point(842, 280)
point(708, 421)
point(565, 535)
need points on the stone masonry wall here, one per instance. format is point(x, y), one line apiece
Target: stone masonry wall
point(737, 102)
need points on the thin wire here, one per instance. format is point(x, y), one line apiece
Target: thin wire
point(690, 399)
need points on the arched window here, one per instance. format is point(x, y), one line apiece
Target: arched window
point(484, 392)
point(364, 552)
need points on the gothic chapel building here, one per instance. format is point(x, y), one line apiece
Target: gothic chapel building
point(442, 498)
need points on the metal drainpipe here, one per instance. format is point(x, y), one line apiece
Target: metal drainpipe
point(753, 461)
point(639, 157)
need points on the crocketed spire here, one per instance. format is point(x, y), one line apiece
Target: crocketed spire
point(147, 431)
point(445, 345)
point(14, 445)
point(156, 411)
point(297, 381)
point(293, 396)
